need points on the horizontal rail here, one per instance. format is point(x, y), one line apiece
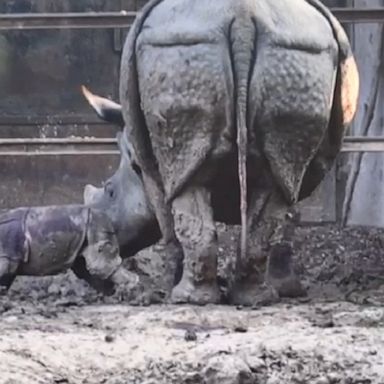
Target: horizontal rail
point(58, 141)
point(68, 119)
point(124, 19)
point(362, 147)
point(79, 20)
point(359, 15)
point(60, 153)
point(110, 140)
point(85, 146)
point(363, 144)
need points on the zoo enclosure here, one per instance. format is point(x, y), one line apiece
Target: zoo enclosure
point(106, 146)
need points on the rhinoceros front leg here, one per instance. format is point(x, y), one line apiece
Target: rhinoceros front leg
point(7, 274)
point(272, 226)
point(196, 231)
point(103, 286)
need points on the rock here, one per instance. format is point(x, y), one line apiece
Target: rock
point(5, 307)
point(241, 329)
point(227, 369)
point(273, 380)
point(324, 322)
point(255, 363)
point(334, 378)
point(190, 335)
point(367, 317)
point(11, 319)
point(60, 380)
point(109, 338)
point(322, 380)
point(54, 289)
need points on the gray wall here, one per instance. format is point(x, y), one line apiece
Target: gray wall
point(40, 75)
point(364, 201)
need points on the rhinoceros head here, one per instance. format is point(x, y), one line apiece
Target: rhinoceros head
point(122, 197)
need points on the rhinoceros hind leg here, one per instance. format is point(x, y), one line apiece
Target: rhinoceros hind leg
point(196, 231)
point(272, 229)
point(280, 274)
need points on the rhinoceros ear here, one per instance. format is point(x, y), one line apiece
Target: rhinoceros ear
point(120, 143)
point(127, 152)
point(106, 109)
point(124, 147)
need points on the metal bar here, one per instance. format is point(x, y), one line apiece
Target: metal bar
point(363, 144)
point(113, 141)
point(69, 119)
point(105, 152)
point(364, 139)
point(107, 146)
point(363, 147)
point(61, 153)
point(58, 141)
point(124, 19)
point(359, 15)
point(80, 20)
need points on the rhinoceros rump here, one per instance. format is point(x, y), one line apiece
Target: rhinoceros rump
point(234, 95)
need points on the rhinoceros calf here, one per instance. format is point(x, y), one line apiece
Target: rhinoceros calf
point(40, 241)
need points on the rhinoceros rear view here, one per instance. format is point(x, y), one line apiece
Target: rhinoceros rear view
point(229, 95)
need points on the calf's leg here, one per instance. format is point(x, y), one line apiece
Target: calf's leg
point(103, 286)
point(7, 274)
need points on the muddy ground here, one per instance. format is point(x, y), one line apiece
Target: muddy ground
point(57, 330)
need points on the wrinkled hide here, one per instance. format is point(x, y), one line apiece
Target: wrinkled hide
point(41, 241)
point(124, 201)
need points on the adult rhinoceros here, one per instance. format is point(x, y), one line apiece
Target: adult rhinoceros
point(234, 95)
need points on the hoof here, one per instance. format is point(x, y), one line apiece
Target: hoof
point(290, 287)
point(280, 273)
point(186, 292)
point(257, 295)
point(145, 293)
point(3, 290)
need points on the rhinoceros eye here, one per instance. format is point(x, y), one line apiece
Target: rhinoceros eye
point(109, 190)
point(136, 169)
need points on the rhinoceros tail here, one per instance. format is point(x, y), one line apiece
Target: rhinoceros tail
point(242, 38)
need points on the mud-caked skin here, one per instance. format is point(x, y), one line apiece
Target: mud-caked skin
point(222, 96)
point(123, 199)
point(40, 241)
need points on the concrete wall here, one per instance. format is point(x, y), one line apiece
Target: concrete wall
point(364, 200)
point(40, 75)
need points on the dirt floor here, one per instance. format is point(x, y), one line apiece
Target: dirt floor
point(58, 330)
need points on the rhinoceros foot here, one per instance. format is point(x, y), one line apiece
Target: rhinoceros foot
point(200, 294)
point(280, 281)
point(143, 295)
point(3, 290)
point(290, 287)
point(280, 274)
point(254, 295)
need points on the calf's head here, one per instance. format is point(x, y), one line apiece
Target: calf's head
point(99, 261)
point(122, 197)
